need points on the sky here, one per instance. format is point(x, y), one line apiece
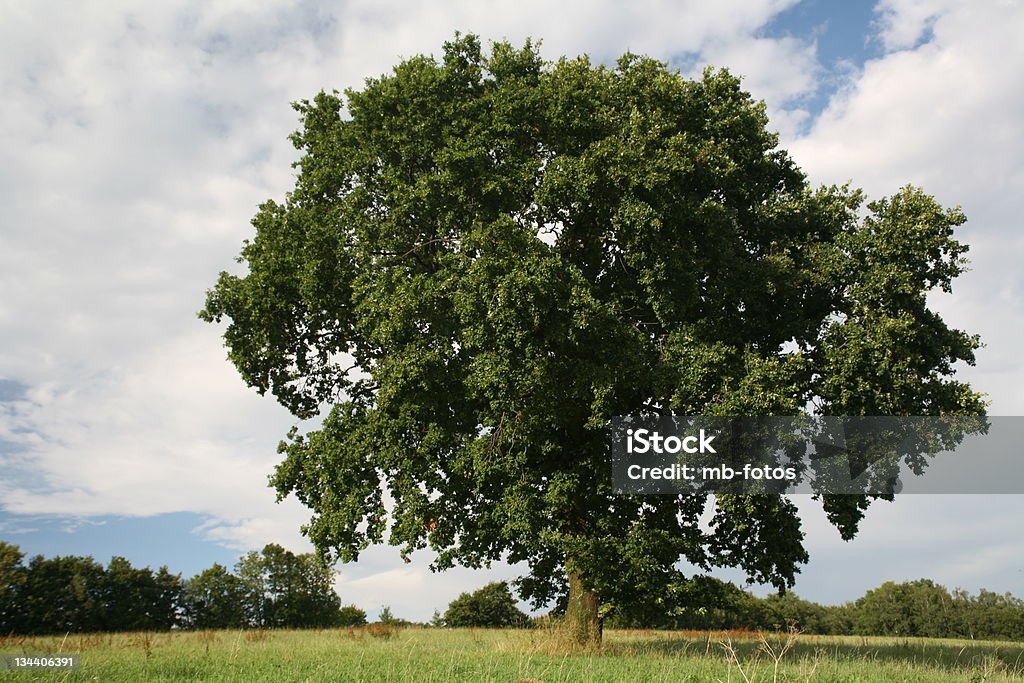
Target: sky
point(139, 138)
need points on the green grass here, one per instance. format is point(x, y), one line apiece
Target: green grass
point(415, 654)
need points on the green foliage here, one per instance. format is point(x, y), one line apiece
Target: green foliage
point(386, 618)
point(274, 588)
point(918, 608)
point(283, 590)
point(137, 599)
point(76, 595)
point(350, 615)
point(924, 608)
point(486, 257)
point(80, 582)
point(73, 594)
point(12, 588)
point(214, 598)
point(167, 600)
point(489, 607)
point(781, 612)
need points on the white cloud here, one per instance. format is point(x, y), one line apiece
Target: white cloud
point(945, 115)
point(903, 23)
point(781, 71)
point(170, 431)
point(938, 110)
point(138, 142)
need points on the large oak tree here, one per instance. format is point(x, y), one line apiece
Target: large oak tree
point(486, 257)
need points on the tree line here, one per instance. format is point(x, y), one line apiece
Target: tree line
point(913, 608)
point(268, 589)
point(276, 588)
point(919, 608)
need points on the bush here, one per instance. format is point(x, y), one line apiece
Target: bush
point(350, 615)
point(490, 607)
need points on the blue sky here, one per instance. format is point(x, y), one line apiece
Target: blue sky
point(139, 139)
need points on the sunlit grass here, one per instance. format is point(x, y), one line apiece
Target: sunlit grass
point(418, 654)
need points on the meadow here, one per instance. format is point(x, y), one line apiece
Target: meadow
point(381, 653)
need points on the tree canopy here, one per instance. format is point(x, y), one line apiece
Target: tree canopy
point(486, 257)
point(280, 589)
point(491, 606)
point(214, 598)
point(71, 594)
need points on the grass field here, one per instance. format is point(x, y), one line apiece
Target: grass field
point(415, 654)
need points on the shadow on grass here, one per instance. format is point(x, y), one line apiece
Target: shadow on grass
point(950, 655)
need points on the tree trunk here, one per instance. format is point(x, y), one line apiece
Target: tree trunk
point(582, 616)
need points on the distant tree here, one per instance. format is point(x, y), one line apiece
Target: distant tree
point(283, 589)
point(250, 572)
point(63, 594)
point(913, 608)
point(167, 599)
point(12, 588)
point(77, 594)
point(786, 610)
point(489, 607)
point(133, 600)
point(437, 619)
point(839, 620)
point(214, 598)
point(991, 615)
point(350, 615)
point(387, 618)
